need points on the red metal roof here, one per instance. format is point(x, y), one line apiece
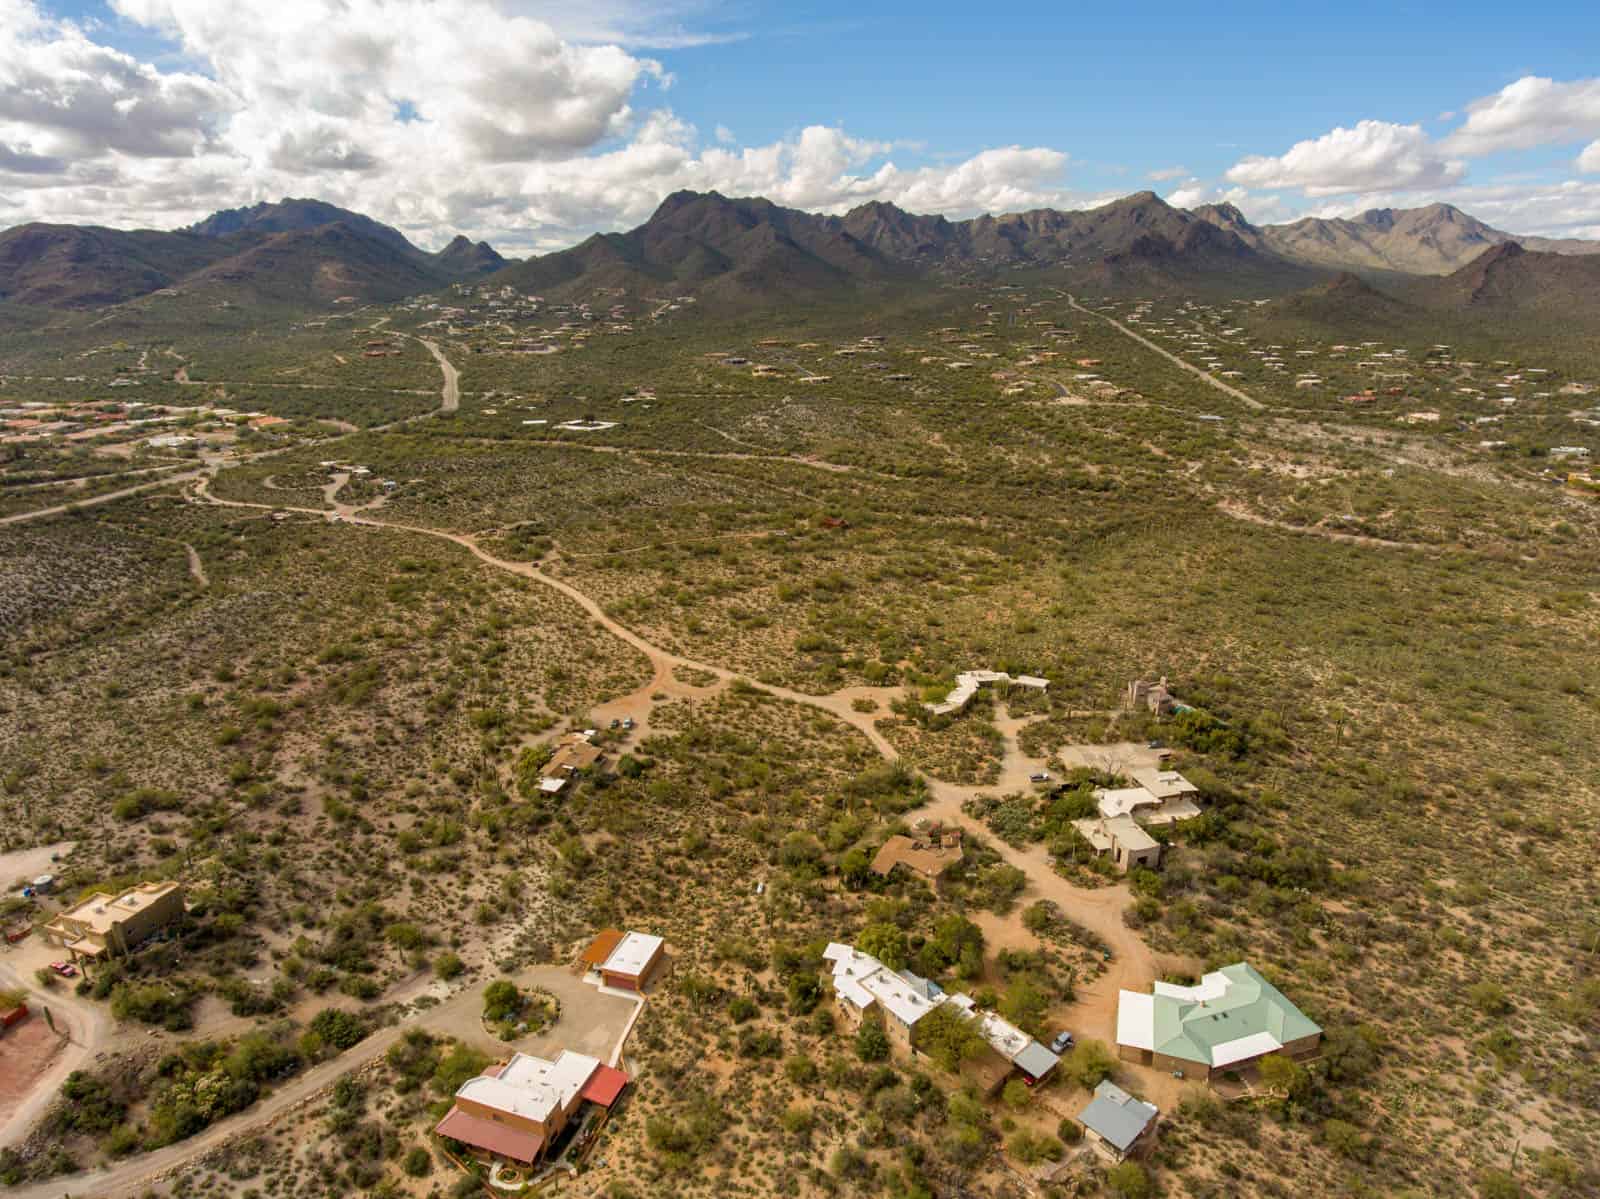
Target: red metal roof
point(604, 1085)
point(514, 1143)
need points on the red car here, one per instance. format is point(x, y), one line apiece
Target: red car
point(64, 969)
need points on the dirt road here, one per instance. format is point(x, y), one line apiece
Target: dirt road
point(1248, 400)
point(94, 500)
point(458, 1014)
point(87, 1028)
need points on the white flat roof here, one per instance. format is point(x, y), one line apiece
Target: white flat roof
point(633, 953)
point(1254, 1045)
point(1120, 801)
point(1136, 1019)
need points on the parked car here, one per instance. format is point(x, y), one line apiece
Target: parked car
point(64, 969)
point(1157, 744)
point(627, 722)
point(1062, 1043)
point(1039, 776)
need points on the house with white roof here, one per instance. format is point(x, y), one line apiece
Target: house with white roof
point(514, 1111)
point(863, 986)
point(1229, 1021)
point(968, 682)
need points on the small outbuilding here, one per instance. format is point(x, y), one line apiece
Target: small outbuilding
point(1117, 1124)
point(632, 963)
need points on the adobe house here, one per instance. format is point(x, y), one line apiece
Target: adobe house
point(104, 925)
point(1154, 697)
point(1121, 837)
point(515, 1110)
point(929, 857)
point(1230, 1021)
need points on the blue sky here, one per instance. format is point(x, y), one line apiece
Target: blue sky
point(593, 111)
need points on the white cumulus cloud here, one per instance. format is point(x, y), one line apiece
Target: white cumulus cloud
point(1372, 155)
point(528, 122)
point(1533, 111)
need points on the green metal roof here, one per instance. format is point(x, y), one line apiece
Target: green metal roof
point(1192, 1029)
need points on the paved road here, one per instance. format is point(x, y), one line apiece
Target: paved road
point(1247, 400)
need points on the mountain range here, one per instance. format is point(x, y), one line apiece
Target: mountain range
point(297, 252)
point(307, 252)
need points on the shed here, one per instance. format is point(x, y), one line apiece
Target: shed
point(1116, 1121)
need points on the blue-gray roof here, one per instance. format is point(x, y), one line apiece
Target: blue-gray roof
point(1117, 1116)
point(1035, 1060)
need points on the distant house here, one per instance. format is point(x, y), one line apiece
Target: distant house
point(929, 858)
point(1117, 1124)
point(575, 753)
point(1122, 838)
point(633, 962)
point(863, 987)
point(1230, 1021)
point(104, 925)
point(1153, 697)
point(968, 682)
point(515, 1110)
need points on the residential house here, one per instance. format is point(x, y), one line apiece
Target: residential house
point(1175, 795)
point(514, 1111)
point(928, 856)
point(575, 753)
point(1029, 1059)
point(1154, 697)
point(1230, 1021)
point(105, 925)
point(1121, 837)
point(863, 987)
point(1117, 1124)
point(968, 682)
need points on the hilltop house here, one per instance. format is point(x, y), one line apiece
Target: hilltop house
point(1230, 1021)
point(105, 925)
point(1117, 1124)
point(515, 1110)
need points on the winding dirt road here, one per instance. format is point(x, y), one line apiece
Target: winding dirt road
point(1098, 909)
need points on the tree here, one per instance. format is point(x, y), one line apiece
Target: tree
point(1025, 1005)
point(947, 1038)
point(501, 1000)
point(1129, 1180)
point(1284, 1075)
point(886, 942)
point(872, 1043)
point(1089, 1064)
point(1017, 1094)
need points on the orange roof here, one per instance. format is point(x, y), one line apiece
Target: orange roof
point(604, 1085)
point(514, 1143)
point(605, 941)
